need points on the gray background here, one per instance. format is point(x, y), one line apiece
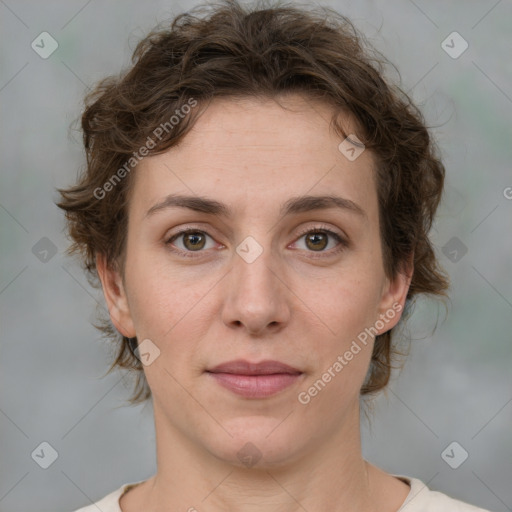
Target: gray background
point(456, 385)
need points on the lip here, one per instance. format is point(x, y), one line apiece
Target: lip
point(243, 367)
point(255, 380)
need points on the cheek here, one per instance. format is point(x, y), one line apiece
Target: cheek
point(344, 310)
point(150, 296)
point(344, 304)
point(165, 301)
point(344, 352)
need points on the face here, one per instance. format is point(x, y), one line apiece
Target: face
point(260, 275)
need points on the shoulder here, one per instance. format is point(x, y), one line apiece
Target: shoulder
point(109, 503)
point(422, 499)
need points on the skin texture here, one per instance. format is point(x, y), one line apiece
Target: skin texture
point(298, 303)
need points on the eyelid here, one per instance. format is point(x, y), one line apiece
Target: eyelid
point(323, 227)
point(343, 242)
point(183, 231)
point(342, 239)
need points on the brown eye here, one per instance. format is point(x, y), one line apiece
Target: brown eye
point(194, 240)
point(317, 240)
point(320, 240)
point(189, 241)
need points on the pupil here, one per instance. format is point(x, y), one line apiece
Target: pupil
point(194, 240)
point(317, 237)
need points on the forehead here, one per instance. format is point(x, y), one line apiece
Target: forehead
point(255, 149)
point(290, 125)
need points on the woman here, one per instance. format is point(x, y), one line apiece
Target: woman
point(256, 206)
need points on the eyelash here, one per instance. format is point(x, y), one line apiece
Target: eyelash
point(342, 243)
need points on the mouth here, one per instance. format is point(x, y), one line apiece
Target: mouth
point(243, 367)
point(255, 380)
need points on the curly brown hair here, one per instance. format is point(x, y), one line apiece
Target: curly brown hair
point(229, 50)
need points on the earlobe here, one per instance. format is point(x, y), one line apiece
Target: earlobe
point(115, 297)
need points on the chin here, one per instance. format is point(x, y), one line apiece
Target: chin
point(257, 442)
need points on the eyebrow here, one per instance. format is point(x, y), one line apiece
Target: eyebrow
point(294, 205)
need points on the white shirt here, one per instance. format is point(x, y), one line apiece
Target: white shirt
point(419, 499)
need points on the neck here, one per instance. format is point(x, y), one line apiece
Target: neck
point(327, 473)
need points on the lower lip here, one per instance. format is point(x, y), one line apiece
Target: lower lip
point(256, 386)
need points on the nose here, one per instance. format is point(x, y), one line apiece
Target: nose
point(256, 295)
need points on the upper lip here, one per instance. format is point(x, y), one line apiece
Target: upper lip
point(243, 367)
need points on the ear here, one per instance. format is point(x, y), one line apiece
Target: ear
point(394, 293)
point(115, 297)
